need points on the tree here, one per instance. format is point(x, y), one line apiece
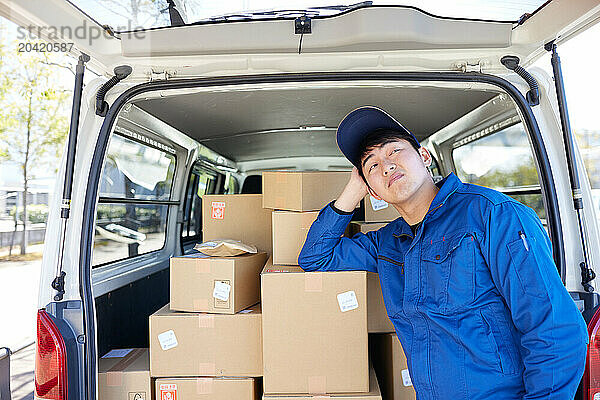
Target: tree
point(137, 13)
point(35, 116)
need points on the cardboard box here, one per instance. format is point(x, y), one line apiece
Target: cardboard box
point(237, 216)
point(314, 331)
point(373, 394)
point(376, 214)
point(124, 374)
point(223, 285)
point(391, 367)
point(364, 227)
point(302, 191)
point(289, 234)
point(377, 318)
point(200, 344)
point(207, 389)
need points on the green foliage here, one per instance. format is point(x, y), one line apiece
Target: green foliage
point(524, 175)
point(589, 145)
point(34, 111)
point(36, 213)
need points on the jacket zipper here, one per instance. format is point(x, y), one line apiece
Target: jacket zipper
point(397, 263)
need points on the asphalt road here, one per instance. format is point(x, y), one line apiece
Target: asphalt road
point(18, 307)
point(18, 302)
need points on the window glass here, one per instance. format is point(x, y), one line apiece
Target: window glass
point(130, 219)
point(231, 184)
point(201, 182)
point(502, 161)
point(127, 230)
point(135, 170)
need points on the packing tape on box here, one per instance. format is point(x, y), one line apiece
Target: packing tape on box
point(200, 304)
point(204, 385)
point(281, 178)
point(317, 384)
point(203, 266)
point(313, 281)
point(281, 201)
point(321, 397)
point(206, 321)
point(114, 376)
point(206, 368)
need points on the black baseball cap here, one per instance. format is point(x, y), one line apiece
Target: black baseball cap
point(358, 124)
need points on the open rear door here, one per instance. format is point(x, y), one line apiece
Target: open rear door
point(59, 21)
point(557, 20)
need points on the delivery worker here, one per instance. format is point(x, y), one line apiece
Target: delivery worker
point(466, 272)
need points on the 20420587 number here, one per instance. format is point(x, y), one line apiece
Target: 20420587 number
point(43, 47)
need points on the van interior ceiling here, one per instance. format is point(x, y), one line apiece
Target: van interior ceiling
point(282, 126)
point(251, 126)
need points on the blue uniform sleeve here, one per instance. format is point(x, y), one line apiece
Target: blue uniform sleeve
point(326, 250)
point(553, 334)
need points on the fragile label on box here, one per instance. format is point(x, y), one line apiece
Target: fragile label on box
point(168, 391)
point(347, 301)
point(167, 340)
point(218, 210)
point(136, 396)
point(378, 204)
point(406, 381)
point(221, 290)
point(117, 353)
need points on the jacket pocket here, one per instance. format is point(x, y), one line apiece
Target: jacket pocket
point(501, 340)
point(525, 265)
point(448, 271)
point(391, 277)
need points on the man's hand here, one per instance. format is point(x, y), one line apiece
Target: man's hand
point(353, 193)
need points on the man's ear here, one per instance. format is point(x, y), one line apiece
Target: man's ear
point(425, 156)
point(372, 193)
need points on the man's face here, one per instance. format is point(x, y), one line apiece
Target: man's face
point(395, 171)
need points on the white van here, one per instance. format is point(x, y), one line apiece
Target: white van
point(205, 107)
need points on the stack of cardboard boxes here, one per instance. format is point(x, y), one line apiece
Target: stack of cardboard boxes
point(207, 342)
point(228, 324)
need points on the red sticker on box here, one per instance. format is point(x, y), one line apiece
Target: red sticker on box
point(218, 209)
point(168, 391)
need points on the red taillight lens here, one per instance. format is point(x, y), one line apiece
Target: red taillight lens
point(50, 360)
point(591, 377)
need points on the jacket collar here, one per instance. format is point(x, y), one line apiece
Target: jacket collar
point(447, 187)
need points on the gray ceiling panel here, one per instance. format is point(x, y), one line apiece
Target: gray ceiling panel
point(251, 125)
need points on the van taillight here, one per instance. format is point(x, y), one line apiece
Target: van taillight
point(591, 377)
point(50, 360)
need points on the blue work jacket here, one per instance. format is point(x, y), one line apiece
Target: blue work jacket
point(474, 296)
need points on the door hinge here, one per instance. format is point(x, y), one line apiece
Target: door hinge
point(160, 76)
point(470, 67)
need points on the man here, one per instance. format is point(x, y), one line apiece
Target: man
point(466, 272)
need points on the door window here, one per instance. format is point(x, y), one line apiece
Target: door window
point(503, 161)
point(135, 189)
point(201, 182)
